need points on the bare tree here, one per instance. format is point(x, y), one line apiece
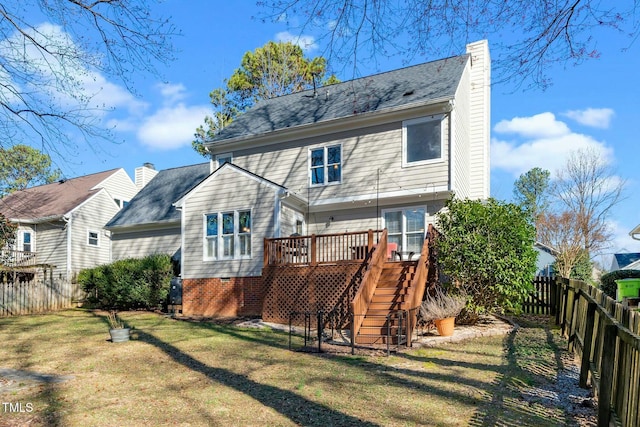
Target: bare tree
point(562, 233)
point(527, 35)
point(588, 188)
point(50, 73)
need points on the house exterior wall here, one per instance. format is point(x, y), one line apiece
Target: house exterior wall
point(91, 216)
point(51, 247)
point(480, 117)
point(119, 186)
point(288, 218)
point(364, 152)
point(138, 244)
point(461, 149)
point(225, 191)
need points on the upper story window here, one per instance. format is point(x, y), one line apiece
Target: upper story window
point(227, 235)
point(26, 241)
point(93, 238)
point(325, 165)
point(224, 158)
point(422, 140)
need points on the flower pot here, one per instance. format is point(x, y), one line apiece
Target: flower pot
point(119, 335)
point(445, 326)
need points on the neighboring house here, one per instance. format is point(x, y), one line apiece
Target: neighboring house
point(545, 260)
point(150, 223)
point(625, 261)
point(384, 151)
point(61, 224)
point(635, 233)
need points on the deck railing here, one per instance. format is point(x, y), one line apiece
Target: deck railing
point(320, 248)
point(419, 281)
point(16, 259)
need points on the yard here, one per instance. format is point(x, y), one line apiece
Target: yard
point(188, 373)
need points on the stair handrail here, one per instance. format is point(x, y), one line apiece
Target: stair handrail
point(364, 294)
point(419, 281)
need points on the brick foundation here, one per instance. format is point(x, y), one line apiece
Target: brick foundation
point(215, 297)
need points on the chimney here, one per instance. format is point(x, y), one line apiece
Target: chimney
point(144, 174)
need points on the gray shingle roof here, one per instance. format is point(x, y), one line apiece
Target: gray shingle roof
point(154, 203)
point(421, 83)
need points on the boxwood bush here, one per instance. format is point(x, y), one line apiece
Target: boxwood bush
point(608, 281)
point(128, 283)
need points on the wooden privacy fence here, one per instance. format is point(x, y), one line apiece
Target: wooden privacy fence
point(543, 300)
point(604, 335)
point(31, 297)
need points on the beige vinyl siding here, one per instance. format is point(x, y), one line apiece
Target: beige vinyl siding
point(92, 215)
point(119, 185)
point(364, 218)
point(288, 217)
point(51, 246)
point(226, 191)
point(480, 116)
point(364, 152)
point(460, 139)
point(138, 244)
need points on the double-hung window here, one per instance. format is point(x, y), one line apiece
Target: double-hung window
point(227, 235)
point(93, 238)
point(26, 241)
point(422, 140)
point(325, 165)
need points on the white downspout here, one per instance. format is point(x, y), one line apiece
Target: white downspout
point(68, 219)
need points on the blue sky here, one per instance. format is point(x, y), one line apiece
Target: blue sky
point(592, 105)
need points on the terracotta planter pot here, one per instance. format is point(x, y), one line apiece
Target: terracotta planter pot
point(445, 326)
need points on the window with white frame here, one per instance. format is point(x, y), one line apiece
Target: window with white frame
point(227, 235)
point(406, 228)
point(93, 238)
point(325, 165)
point(224, 158)
point(26, 241)
point(422, 140)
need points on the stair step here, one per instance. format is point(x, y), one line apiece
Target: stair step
point(379, 330)
point(388, 290)
point(388, 297)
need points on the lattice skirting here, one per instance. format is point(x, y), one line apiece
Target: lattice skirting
point(303, 288)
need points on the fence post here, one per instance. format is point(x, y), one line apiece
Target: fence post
point(586, 349)
point(606, 375)
point(574, 319)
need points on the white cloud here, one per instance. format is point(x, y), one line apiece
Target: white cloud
point(307, 43)
point(594, 117)
point(171, 127)
point(172, 93)
point(540, 141)
point(540, 125)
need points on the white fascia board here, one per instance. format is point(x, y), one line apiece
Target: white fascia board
point(436, 106)
point(441, 192)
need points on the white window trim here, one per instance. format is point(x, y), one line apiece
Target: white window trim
point(97, 245)
point(223, 155)
point(403, 241)
point(236, 236)
point(325, 165)
point(405, 123)
point(20, 241)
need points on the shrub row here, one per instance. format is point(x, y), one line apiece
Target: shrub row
point(128, 283)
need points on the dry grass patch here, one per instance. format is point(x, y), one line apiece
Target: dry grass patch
point(181, 373)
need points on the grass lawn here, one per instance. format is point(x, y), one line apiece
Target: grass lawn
point(181, 373)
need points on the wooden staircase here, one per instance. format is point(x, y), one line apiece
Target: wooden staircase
point(390, 296)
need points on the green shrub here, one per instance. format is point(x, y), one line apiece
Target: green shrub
point(608, 281)
point(486, 250)
point(128, 283)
